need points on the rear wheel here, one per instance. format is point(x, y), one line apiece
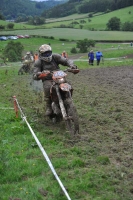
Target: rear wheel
point(72, 122)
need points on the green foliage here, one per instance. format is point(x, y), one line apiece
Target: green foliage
point(82, 21)
point(81, 26)
point(19, 8)
point(12, 56)
point(1, 16)
point(114, 24)
point(90, 15)
point(63, 39)
point(61, 10)
point(107, 11)
point(13, 51)
point(36, 20)
point(84, 44)
point(127, 26)
point(73, 50)
point(2, 27)
point(22, 18)
point(104, 160)
point(83, 6)
point(10, 25)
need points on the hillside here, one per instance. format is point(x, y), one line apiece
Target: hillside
point(11, 9)
point(86, 6)
point(98, 21)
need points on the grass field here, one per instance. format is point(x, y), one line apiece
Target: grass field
point(90, 167)
point(110, 50)
point(71, 34)
point(97, 165)
point(98, 22)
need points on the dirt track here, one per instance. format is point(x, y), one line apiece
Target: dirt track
point(105, 106)
point(104, 101)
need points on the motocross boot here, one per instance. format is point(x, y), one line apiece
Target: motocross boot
point(48, 107)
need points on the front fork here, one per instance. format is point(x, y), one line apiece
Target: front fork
point(62, 107)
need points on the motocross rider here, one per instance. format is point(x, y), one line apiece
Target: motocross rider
point(49, 61)
point(28, 60)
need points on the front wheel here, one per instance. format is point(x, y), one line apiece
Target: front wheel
point(72, 122)
point(21, 71)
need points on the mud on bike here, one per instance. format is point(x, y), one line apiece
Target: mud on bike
point(62, 104)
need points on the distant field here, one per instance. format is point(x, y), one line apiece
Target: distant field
point(76, 34)
point(70, 17)
point(97, 22)
point(109, 50)
point(20, 25)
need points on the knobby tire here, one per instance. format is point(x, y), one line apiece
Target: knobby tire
point(73, 123)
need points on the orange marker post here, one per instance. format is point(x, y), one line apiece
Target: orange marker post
point(15, 106)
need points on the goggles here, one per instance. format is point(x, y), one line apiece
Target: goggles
point(46, 54)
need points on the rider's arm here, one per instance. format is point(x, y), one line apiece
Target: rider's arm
point(32, 58)
point(37, 69)
point(63, 61)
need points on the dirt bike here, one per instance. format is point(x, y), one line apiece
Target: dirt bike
point(26, 68)
point(61, 96)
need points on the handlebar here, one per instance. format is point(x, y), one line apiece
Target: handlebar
point(45, 73)
point(74, 71)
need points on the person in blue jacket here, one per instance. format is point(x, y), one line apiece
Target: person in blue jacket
point(98, 57)
point(91, 57)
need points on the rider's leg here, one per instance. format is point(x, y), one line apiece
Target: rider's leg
point(47, 85)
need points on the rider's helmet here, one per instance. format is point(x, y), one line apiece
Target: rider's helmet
point(28, 53)
point(45, 53)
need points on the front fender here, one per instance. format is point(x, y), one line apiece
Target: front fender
point(65, 87)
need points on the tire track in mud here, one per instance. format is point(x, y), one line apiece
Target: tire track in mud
point(104, 100)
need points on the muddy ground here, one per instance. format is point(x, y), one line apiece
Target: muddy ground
point(104, 101)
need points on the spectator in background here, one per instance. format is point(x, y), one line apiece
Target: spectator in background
point(91, 57)
point(119, 46)
point(99, 55)
point(64, 54)
point(29, 57)
point(35, 56)
point(28, 60)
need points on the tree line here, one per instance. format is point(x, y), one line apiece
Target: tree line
point(12, 9)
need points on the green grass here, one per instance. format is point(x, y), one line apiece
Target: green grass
point(84, 166)
point(71, 34)
point(19, 25)
point(24, 172)
point(98, 22)
point(109, 50)
point(70, 17)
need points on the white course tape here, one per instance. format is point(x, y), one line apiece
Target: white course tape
point(6, 108)
point(43, 152)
